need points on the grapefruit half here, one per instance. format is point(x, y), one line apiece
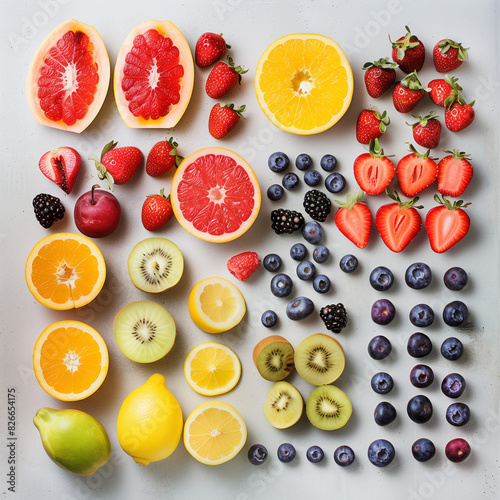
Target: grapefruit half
point(68, 77)
point(215, 195)
point(154, 76)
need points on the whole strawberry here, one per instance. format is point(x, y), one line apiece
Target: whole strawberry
point(223, 78)
point(162, 157)
point(459, 115)
point(427, 131)
point(448, 55)
point(223, 119)
point(243, 265)
point(156, 211)
point(371, 125)
point(118, 165)
point(209, 49)
point(441, 88)
point(379, 76)
point(408, 52)
point(408, 93)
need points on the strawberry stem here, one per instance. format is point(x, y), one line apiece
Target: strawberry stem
point(448, 204)
point(351, 199)
point(404, 204)
point(460, 155)
point(108, 147)
point(103, 172)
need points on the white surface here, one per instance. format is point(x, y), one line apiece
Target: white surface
point(362, 29)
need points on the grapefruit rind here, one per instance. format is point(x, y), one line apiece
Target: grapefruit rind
point(164, 28)
point(100, 56)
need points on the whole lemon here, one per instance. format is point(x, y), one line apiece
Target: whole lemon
point(150, 422)
point(73, 439)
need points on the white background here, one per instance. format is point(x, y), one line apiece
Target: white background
point(362, 29)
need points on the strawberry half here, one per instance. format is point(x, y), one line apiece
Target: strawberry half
point(416, 172)
point(210, 47)
point(379, 76)
point(354, 219)
point(373, 170)
point(408, 52)
point(398, 223)
point(448, 55)
point(371, 125)
point(427, 131)
point(408, 93)
point(243, 265)
point(454, 173)
point(223, 78)
point(156, 211)
point(162, 157)
point(446, 224)
point(61, 166)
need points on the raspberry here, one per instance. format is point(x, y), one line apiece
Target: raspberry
point(317, 205)
point(334, 317)
point(286, 221)
point(48, 209)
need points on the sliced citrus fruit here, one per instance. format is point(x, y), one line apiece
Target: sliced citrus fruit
point(68, 77)
point(154, 76)
point(216, 305)
point(214, 433)
point(70, 360)
point(212, 368)
point(65, 270)
point(304, 83)
point(215, 195)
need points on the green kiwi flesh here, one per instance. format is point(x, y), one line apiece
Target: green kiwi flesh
point(273, 357)
point(144, 331)
point(328, 408)
point(283, 406)
point(155, 264)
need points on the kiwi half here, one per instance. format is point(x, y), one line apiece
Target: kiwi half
point(328, 408)
point(273, 357)
point(155, 264)
point(144, 331)
point(284, 405)
point(319, 359)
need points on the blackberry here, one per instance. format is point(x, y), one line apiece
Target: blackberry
point(317, 205)
point(48, 209)
point(334, 317)
point(286, 221)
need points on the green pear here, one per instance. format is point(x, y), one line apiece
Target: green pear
point(73, 439)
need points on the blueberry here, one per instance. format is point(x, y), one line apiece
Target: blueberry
point(298, 251)
point(303, 161)
point(381, 279)
point(257, 454)
point(299, 308)
point(312, 177)
point(335, 183)
point(452, 349)
point(281, 285)
point(328, 163)
point(315, 454)
point(275, 192)
point(422, 315)
point(419, 345)
point(455, 278)
point(272, 262)
point(453, 385)
point(419, 409)
point(312, 232)
point(322, 284)
point(383, 311)
point(421, 376)
point(278, 162)
point(344, 456)
point(379, 347)
point(306, 270)
point(418, 275)
point(321, 254)
point(290, 181)
point(384, 413)
point(382, 383)
point(458, 414)
point(269, 318)
point(381, 453)
point(286, 452)
point(423, 449)
point(455, 313)
point(348, 263)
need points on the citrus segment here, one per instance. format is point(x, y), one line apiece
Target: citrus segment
point(212, 368)
point(68, 77)
point(70, 360)
point(65, 271)
point(304, 83)
point(216, 305)
point(154, 76)
point(215, 195)
point(214, 433)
